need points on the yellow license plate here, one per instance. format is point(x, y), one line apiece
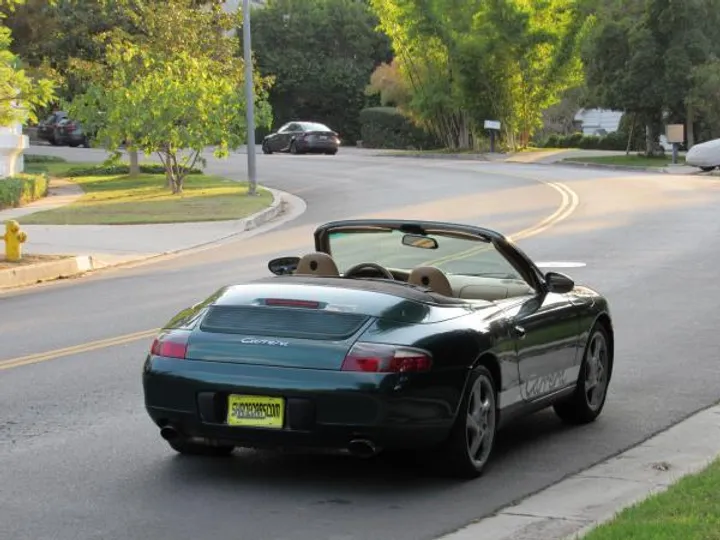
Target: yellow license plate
point(255, 411)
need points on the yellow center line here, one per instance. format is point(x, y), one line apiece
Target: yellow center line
point(569, 203)
point(76, 349)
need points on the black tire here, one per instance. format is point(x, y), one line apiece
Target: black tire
point(331, 152)
point(186, 448)
point(457, 458)
point(706, 169)
point(293, 148)
point(266, 148)
point(580, 408)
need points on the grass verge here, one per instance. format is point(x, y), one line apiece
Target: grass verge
point(688, 510)
point(118, 199)
point(629, 161)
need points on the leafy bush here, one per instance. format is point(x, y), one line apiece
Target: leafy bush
point(36, 158)
point(386, 127)
point(612, 141)
point(118, 169)
point(22, 189)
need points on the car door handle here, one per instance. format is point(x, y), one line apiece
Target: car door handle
point(518, 332)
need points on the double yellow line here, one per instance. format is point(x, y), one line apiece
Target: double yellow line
point(76, 349)
point(569, 203)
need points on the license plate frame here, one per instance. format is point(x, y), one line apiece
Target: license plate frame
point(272, 404)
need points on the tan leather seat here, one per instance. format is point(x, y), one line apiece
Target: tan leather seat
point(317, 264)
point(432, 278)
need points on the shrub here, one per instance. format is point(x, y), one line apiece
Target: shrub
point(612, 141)
point(36, 158)
point(118, 169)
point(387, 127)
point(22, 189)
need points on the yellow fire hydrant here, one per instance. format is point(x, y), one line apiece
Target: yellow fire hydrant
point(14, 239)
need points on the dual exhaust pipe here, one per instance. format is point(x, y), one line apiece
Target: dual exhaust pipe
point(361, 448)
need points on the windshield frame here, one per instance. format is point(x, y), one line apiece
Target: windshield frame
point(515, 257)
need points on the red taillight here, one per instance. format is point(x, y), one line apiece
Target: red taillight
point(286, 302)
point(170, 345)
point(378, 358)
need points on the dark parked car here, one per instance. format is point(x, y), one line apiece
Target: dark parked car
point(46, 128)
point(393, 336)
point(302, 138)
point(70, 132)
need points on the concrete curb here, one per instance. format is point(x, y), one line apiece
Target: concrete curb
point(576, 505)
point(465, 157)
point(659, 170)
point(32, 274)
point(78, 265)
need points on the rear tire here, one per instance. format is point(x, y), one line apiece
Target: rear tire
point(588, 400)
point(184, 447)
point(472, 439)
point(706, 169)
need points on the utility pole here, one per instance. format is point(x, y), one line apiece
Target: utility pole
point(249, 100)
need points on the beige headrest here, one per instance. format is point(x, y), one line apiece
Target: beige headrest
point(317, 264)
point(432, 278)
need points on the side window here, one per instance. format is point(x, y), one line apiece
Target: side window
point(283, 128)
point(294, 127)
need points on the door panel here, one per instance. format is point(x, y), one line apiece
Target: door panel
point(546, 331)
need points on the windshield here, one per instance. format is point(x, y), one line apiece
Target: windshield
point(314, 126)
point(452, 255)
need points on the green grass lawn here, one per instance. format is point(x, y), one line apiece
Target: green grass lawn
point(689, 510)
point(631, 160)
point(120, 199)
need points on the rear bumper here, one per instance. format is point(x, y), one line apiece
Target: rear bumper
point(317, 145)
point(322, 408)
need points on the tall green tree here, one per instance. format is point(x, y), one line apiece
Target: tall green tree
point(504, 60)
point(641, 56)
point(21, 94)
point(171, 93)
point(320, 54)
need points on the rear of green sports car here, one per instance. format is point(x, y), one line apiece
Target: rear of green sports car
point(347, 364)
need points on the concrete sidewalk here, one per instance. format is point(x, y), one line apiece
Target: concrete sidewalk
point(100, 246)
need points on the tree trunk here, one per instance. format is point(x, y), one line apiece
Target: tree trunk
point(134, 162)
point(689, 128)
point(632, 132)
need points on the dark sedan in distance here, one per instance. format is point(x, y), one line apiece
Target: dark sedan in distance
point(302, 138)
point(393, 335)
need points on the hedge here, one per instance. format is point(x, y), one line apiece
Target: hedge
point(387, 127)
point(611, 141)
point(36, 158)
point(111, 170)
point(22, 189)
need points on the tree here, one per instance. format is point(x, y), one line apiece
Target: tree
point(641, 56)
point(704, 96)
point(506, 60)
point(20, 94)
point(321, 54)
point(170, 93)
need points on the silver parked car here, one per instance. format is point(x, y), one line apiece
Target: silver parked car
point(705, 155)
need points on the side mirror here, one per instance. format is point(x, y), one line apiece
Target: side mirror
point(283, 265)
point(559, 283)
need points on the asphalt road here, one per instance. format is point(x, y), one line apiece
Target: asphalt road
point(80, 460)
